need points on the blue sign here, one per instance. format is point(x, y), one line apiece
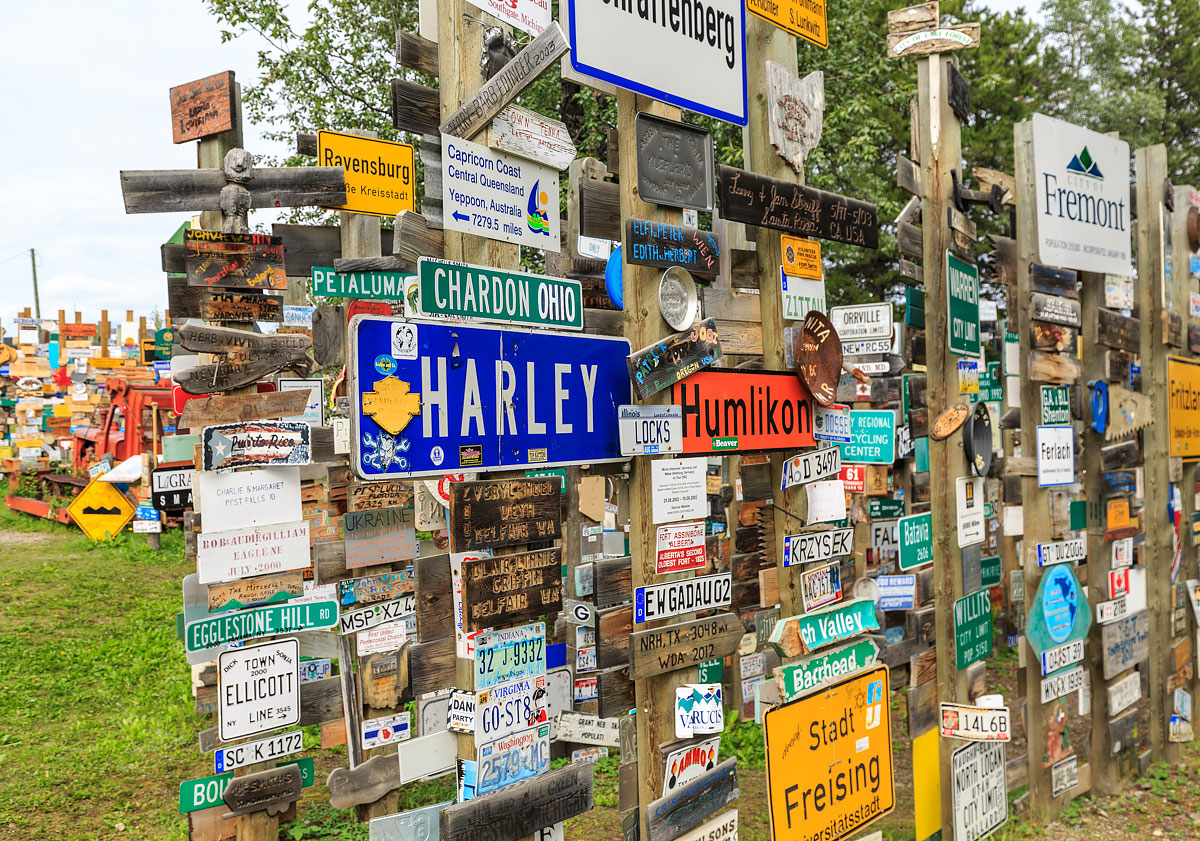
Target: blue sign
point(479, 399)
point(1060, 603)
point(899, 591)
point(144, 513)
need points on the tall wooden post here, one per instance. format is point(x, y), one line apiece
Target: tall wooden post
point(941, 151)
point(643, 325)
point(765, 42)
point(1151, 173)
point(211, 151)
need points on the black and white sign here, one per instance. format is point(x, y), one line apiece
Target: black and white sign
point(1063, 683)
point(1113, 610)
point(813, 546)
point(1062, 552)
point(258, 688)
point(980, 793)
point(264, 750)
point(809, 467)
point(171, 488)
point(1055, 456)
point(376, 614)
point(661, 601)
point(650, 430)
point(862, 322)
point(969, 495)
point(460, 713)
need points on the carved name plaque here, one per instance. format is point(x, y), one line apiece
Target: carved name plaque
point(797, 112)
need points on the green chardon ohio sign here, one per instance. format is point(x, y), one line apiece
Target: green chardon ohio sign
point(481, 293)
point(260, 622)
point(377, 286)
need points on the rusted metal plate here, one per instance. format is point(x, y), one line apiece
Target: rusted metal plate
point(674, 163)
point(270, 791)
point(818, 354)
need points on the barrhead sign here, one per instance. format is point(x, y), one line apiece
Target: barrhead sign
point(1082, 184)
point(745, 411)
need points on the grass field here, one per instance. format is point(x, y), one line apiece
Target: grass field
point(97, 726)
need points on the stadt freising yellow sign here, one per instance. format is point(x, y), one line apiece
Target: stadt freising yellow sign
point(379, 173)
point(1183, 407)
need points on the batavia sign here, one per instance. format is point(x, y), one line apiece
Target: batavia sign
point(745, 411)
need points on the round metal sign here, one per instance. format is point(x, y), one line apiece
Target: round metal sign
point(948, 422)
point(977, 440)
point(817, 352)
point(677, 298)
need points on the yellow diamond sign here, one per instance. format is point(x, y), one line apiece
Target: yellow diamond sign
point(391, 404)
point(100, 510)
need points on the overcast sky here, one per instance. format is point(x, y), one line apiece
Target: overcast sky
point(84, 87)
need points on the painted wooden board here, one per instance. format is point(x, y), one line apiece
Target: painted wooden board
point(666, 362)
point(1053, 337)
point(939, 40)
point(242, 408)
point(1124, 643)
point(689, 806)
point(251, 592)
point(371, 496)
point(1055, 309)
point(1117, 331)
point(204, 107)
point(683, 645)
point(533, 136)
point(495, 513)
point(795, 113)
point(797, 636)
point(511, 590)
point(241, 307)
point(523, 808)
point(1053, 368)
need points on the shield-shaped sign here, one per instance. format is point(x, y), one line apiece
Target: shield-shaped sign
point(797, 112)
point(977, 439)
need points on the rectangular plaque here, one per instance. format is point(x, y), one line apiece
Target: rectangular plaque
point(674, 163)
point(511, 590)
point(203, 108)
point(663, 245)
point(238, 261)
point(504, 512)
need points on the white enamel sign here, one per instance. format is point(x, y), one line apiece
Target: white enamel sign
point(650, 430)
point(228, 501)
point(679, 489)
point(241, 553)
point(979, 790)
point(1055, 456)
point(1123, 693)
point(1082, 183)
point(258, 688)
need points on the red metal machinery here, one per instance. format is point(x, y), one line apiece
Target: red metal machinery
point(130, 402)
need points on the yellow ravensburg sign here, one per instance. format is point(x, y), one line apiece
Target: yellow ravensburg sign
point(803, 18)
point(1183, 407)
point(829, 760)
point(379, 173)
point(100, 510)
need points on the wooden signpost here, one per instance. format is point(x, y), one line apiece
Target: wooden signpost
point(204, 107)
point(494, 596)
point(665, 363)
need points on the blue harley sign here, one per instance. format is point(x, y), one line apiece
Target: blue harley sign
point(472, 398)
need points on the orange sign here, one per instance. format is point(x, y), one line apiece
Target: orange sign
point(829, 760)
point(1118, 513)
point(805, 19)
point(801, 257)
point(745, 411)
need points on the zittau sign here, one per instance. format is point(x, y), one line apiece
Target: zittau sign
point(377, 286)
point(829, 760)
point(1183, 408)
point(480, 293)
point(379, 173)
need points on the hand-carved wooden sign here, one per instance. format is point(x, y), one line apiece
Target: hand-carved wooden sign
point(257, 444)
point(796, 112)
point(203, 108)
point(242, 408)
point(252, 592)
point(796, 209)
point(674, 163)
point(1055, 309)
point(511, 590)
point(682, 646)
point(523, 808)
point(271, 791)
point(1117, 331)
point(255, 356)
point(365, 784)
point(666, 362)
point(504, 512)
point(239, 261)
point(240, 306)
point(531, 135)
point(663, 245)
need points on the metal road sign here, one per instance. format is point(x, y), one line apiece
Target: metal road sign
point(171, 488)
point(862, 322)
point(100, 510)
point(379, 173)
point(260, 622)
point(473, 398)
point(273, 747)
point(377, 286)
point(258, 689)
point(650, 430)
point(962, 279)
point(480, 293)
point(979, 790)
point(493, 195)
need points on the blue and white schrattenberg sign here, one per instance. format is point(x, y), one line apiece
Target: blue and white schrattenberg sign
point(1082, 185)
point(498, 196)
point(481, 398)
point(690, 53)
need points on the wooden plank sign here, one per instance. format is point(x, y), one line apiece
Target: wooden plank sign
point(240, 307)
point(1055, 309)
point(371, 496)
point(533, 136)
point(512, 590)
point(242, 408)
point(690, 805)
point(272, 791)
point(383, 536)
point(1117, 331)
point(1053, 368)
point(239, 261)
point(796, 112)
point(522, 808)
point(504, 512)
point(1053, 337)
point(203, 108)
point(1124, 643)
point(663, 245)
point(684, 645)
point(257, 444)
point(929, 41)
point(795, 209)
point(670, 360)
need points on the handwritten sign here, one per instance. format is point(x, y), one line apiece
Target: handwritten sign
point(511, 590)
point(385, 536)
point(203, 108)
point(670, 360)
point(664, 245)
point(239, 261)
point(504, 512)
point(674, 164)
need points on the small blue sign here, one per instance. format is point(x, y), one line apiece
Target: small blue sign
point(899, 591)
point(479, 399)
point(145, 513)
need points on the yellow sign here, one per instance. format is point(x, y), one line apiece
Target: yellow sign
point(1183, 407)
point(379, 173)
point(801, 257)
point(927, 784)
point(803, 18)
point(100, 510)
point(391, 404)
point(829, 760)
point(107, 362)
point(1118, 513)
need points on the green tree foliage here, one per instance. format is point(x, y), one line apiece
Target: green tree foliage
point(1171, 63)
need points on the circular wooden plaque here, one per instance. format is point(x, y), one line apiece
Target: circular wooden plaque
point(817, 352)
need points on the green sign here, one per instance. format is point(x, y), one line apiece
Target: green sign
point(1079, 514)
point(163, 339)
point(796, 635)
point(260, 622)
point(989, 571)
point(560, 472)
point(1056, 405)
point(882, 508)
point(1059, 612)
point(914, 307)
point(872, 437)
point(206, 792)
point(921, 455)
point(807, 675)
point(916, 540)
point(486, 294)
point(377, 286)
point(1012, 356)
point(962, 280)
point(710, 671)
point(972, 628)
point(990, 388)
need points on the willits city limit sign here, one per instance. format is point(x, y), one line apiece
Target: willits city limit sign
point(690, 53)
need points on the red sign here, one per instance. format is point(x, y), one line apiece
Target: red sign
point(367, 308)
point(744, 411)
point(179, 398)
point(1118, 583)
point(77, 331)
point(854, 478)
point(680, 547)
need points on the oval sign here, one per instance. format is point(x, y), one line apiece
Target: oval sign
point(977, 442)
point(817, 351)
point(1060, 602)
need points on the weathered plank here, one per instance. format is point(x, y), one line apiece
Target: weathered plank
point(365, 784)
point(521, 809)
point(187, 191)
point(416, 53)
point(414, 107)
point(494, 513)
point(242, 408)
point(683, 645)
point(511, 590)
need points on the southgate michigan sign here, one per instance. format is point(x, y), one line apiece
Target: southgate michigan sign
point(1082, 186)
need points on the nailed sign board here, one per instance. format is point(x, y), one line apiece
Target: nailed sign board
point(650, 430)
point(1056, 309)
point(798, 635)
point(260, 622)
point(523, 808)
point(258, 550)
point(972, 628)
point(508, 707)
point(962, 279)
point(1061, 684)
point(1062, 552)
point(796, 109)
point(680, 547)
point(778, 412)
point(662, 601)
point(1125, 643)
point(862, 322)
point(968, 493)
point(813, 546)
point(821, 586)
point(1059, 612)
point(681, 646)
point(1056, 405)
point(809, 749)
point(663, 245)
point(532, 135)
point(376, 286)
point(795, 209)
point(257, 444)
point(1082, 182)
point(249, 498)
point(674, 164)
point(234, 261)
point(493, 195)
point(804, 20)
point(1183, 410)
point(800, 678)
point(237, 306)
point(379, 173)
point(513, 758)
point(203, 108)
point(383, 536)
point(494, 594)
point(809, 467)
point(258, 689)
point(685, 808)
point(711, 47)
point(801, 295)
point(479, 293)
point(490, 514)
point(171, 488)
point(1124, 693)
point(270, 791)
point(679, 489)
point(671, 359)
point(353, 621)
point(510, 654)
point(427, 417)
point(1062, 656)
point(530, 16)
point(979, 790)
